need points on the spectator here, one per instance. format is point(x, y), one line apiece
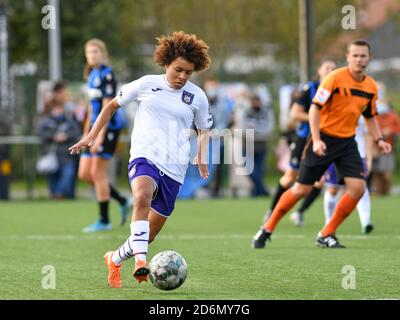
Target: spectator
point(57, 130)
point(260, 118)
point(221, 108)
point(383, 165)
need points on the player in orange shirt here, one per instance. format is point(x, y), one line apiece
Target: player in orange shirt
point(342, 97)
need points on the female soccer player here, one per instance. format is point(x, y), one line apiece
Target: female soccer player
point(168, 106)
point(94, 162)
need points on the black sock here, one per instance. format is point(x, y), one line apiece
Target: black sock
point(278, 194)
point(104, 211)
point(116, 195)
point(309, 199)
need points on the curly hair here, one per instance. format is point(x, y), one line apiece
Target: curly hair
point(183, 45)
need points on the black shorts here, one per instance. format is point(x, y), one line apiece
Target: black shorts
point(297, 148)
point(108, 147)
point(343, 152)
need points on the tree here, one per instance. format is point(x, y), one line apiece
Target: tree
point(129, 28)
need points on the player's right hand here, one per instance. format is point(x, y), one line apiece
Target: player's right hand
point(84, 142)
point(94, 148)
point(319, 148)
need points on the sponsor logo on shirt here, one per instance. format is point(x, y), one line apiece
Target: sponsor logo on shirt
point(156, 89)
point(94, 93)
point(322, 96)
point(187, 97)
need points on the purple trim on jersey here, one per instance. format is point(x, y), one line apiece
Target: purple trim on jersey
point(167, 188)
point(331, 178)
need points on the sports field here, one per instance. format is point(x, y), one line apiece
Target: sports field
point(214, 236)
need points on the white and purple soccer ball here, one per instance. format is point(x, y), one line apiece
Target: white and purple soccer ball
point(168, 270)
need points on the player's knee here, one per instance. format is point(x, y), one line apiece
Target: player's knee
point(319, 184)
point(332, 191)
point(85, 176)
point(360, 191)
point(98, 175)
point(356, 191)
point(288, 178)
point(142, 198)
point(301, 190)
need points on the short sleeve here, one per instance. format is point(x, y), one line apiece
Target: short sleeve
point(129, 92)
point(202, 117)
point(109, 87)
point(325, 91)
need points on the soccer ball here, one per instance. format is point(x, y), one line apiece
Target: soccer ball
point(168, 270)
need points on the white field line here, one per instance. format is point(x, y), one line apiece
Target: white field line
point(69, 237)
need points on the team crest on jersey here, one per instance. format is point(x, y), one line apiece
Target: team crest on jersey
point(97, 82)
point(187, 97)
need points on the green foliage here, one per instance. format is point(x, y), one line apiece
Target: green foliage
point(80, 21)
point(129, 27)
point(28, 41)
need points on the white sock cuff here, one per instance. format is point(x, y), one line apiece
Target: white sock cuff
point(140, 225)
point(330, 197)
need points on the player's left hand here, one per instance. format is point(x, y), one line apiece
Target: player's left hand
point(384, 147)
point(203, 167)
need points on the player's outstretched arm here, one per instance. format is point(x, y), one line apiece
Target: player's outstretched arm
point(376, 134)
point(319, 146)
point(103, 118)
point(201, 157)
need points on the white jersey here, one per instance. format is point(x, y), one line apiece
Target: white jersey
point(163, 121)
point(361, 131)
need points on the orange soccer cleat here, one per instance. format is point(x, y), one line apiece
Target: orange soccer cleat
point(141, 272)
point(114, 272)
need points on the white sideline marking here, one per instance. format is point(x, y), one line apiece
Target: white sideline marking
point(70, 237)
